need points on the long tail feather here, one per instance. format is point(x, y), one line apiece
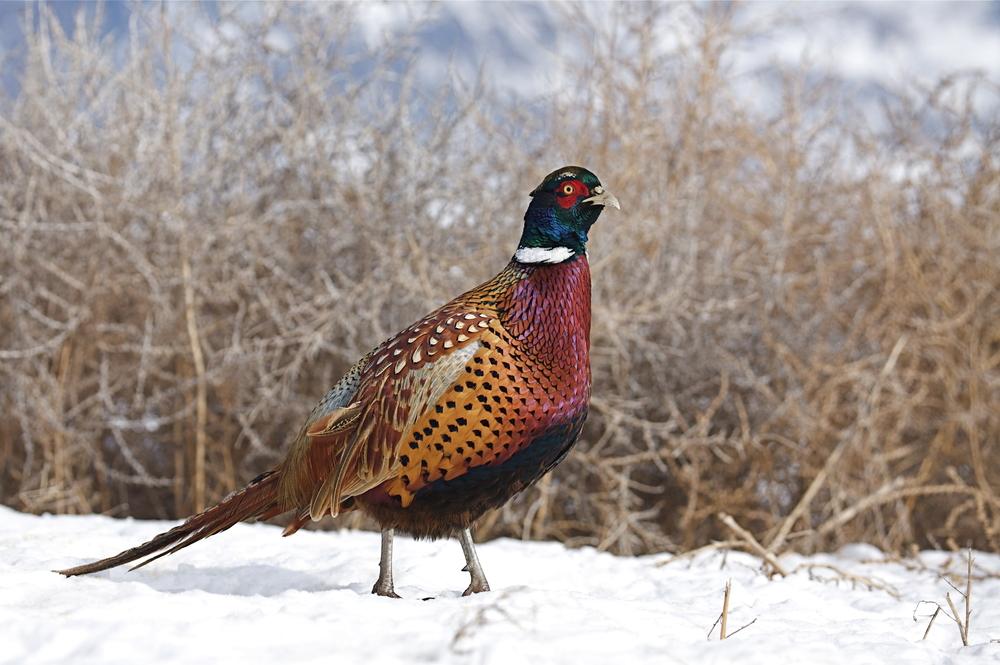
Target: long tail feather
point(256, 499)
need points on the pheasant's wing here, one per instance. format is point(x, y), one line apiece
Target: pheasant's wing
point(402, 380)
point(310, 455)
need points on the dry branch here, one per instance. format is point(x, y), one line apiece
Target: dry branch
point(750, 543)
point(725, 610)
point(962, 620)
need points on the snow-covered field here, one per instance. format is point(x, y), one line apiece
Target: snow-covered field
point(249, 596)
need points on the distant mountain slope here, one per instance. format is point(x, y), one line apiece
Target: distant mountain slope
point(525, 45)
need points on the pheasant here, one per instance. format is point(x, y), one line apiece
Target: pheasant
point(451, 417)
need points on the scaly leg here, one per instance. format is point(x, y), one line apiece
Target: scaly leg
point(478, 583)
point(383, 587)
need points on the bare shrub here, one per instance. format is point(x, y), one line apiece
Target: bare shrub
point(795, 319)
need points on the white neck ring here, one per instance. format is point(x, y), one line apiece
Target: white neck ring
point(542, 254)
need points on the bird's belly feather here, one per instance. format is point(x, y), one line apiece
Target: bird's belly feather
point(443, 507)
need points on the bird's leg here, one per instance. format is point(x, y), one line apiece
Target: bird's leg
point(383, 587)
point(478, 583)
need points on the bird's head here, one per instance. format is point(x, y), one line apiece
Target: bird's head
point(562, 210)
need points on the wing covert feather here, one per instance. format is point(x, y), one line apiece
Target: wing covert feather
point(404, 380)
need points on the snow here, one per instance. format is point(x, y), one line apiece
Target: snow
point(249, 596)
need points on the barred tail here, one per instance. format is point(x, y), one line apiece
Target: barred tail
point(258, 499)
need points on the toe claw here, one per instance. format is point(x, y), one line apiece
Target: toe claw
point(477, 587)
point(385, 590)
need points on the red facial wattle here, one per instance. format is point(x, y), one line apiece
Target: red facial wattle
point(569, 192)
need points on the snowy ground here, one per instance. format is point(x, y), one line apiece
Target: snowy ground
point(249, 596)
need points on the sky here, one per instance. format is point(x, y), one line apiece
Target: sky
point(869, 43)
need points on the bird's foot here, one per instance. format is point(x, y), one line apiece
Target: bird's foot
point(477, 586)
point(384, 589)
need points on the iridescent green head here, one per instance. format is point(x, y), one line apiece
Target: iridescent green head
point(562, 210)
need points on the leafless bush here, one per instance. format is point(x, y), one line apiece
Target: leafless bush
point(796, 320)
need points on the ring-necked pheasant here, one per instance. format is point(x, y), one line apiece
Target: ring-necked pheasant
point(454, 415)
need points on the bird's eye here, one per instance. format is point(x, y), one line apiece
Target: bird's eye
point(567, 189)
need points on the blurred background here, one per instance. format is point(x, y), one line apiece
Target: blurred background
point(209, 211)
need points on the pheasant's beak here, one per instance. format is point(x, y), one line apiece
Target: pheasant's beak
point(603, 198)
